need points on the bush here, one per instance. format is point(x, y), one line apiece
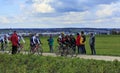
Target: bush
point(40, 64)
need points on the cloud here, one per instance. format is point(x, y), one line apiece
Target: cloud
point(65, 13)
point(4, 20)
point(65, 5)
point(77, 5)
point(40, 6)
point(112, 9)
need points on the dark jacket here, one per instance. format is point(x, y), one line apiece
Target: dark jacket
point(92, 40)
point(73, 42)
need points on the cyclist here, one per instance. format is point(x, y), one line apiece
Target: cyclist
point(73, 42)
point(67, 40)
point(6, 41)
point(63, 39)
point(64, 43)
point(2, 42)
point(20, 46)
point(59, 39)
point(34, 41)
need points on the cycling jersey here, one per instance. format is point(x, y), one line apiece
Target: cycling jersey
point(34, 40)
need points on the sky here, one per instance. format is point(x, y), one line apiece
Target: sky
point(59, 13)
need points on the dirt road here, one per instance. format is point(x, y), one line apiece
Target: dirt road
point(95, 57)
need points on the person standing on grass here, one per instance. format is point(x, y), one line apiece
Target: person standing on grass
point(50, 43)
point(82, 43)
point(92, 44)
point(14, 40)
point(78, 42)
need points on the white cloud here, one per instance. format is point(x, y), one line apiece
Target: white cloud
point(108, 10)
point(4, 20)
point(42, 6)
point(41, 13)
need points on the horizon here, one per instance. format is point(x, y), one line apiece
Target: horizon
point(59, 14)
point(59, 28)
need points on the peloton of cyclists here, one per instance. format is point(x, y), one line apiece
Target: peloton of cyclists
point(67, 41)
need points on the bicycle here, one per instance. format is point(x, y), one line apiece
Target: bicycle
point(36, 49)
point(20, 48)
point(64, 50)
point(58, 50)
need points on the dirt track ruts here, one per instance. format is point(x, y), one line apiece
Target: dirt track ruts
point(95, 57)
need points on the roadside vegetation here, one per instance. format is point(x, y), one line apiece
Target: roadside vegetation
point(40, 64)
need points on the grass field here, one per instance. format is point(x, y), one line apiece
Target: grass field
point(105, 44)
point(20, 63)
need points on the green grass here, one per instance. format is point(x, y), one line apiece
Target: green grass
point(40, 64)
point(108, 45)
point(105, 44)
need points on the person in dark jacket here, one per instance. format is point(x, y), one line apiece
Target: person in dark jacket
point(14, 40)
point(73, 43)
point(82, 43)
point(92, 44)
point(50, 43)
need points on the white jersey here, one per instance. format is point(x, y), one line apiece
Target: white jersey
point(1, 38)
point(21, 38)
point(7, 36)
point(36, 40)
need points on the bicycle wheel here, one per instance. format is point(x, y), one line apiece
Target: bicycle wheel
point(74, 51)
point(40, 50)
point(58, 50)
point(71, 52)
point(19, 49)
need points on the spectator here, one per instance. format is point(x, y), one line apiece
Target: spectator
point(14, 40)
point(92, 44)
point(50, 42)
point(78, 42)
point(82, 43)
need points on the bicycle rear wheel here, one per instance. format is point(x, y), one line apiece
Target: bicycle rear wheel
point(71, 52)
point(58, 50)
point(40, 51)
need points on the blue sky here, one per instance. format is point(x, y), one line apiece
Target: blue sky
point(59, 13)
